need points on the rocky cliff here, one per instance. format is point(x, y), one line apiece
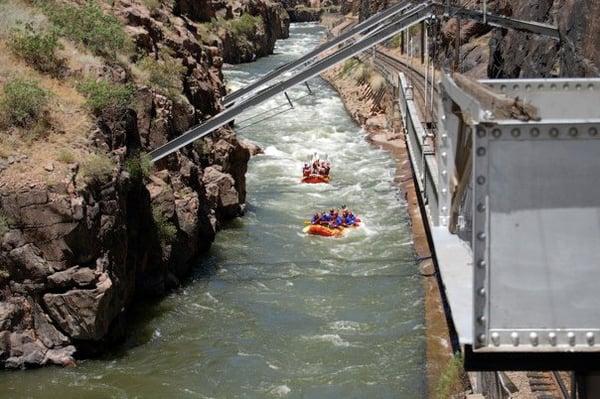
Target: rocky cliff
point(243, 29)
point(500, 53)
point(85, 235)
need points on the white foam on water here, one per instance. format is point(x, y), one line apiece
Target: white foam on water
point(275, 152)
point(210, 297)
point(345, 325)
point(281, 391)
point(334, 339)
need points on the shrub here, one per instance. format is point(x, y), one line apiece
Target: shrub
point(396, 41)
point(348, 66)
point(152, 5)
point(166, 230)
point(36, 48)
point(23, 102)
point(451, 381)
point(97, 168)
point(65, 156)
point(102, 94)
point(102, 34)
point(244, 26)
point(139, 166)
point(361, 74)
point(4, 223)
point(164, 74)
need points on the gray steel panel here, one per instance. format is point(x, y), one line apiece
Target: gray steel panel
point(551, 95)
point(537, 231)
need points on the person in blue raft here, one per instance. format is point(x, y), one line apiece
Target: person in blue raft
point(334, 219)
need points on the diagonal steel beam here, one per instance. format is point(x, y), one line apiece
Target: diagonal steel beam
point(362, 27)
point(499, 21)
point(414, 15)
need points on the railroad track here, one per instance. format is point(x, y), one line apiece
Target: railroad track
point(389, 65)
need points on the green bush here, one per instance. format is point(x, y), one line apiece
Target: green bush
point(97, 168)
point(244, 26)
point(166, 230)
point(102, 34)
point(139, 166)
point(65, 156)
point(152, 5)
point(396, 41)
point(451, 381)
point(4, 223)
point(102, 94)
point(348, 66)
point(36, 48)
point(23, 102)
point(164, 75)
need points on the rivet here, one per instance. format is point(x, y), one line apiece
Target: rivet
point(481, 151)
point(496, 339)
point(481, 132)
point(444, 136)
point(593, 131)
point(573, 132)
point(566, 86)
point(481, 320)
point(590, 338)
point(444, 191)
point(552, 338)
point(516, 87)
point(515, 132)
point(553, 86)
point(528, 87)
point(481, 338)
point(481, 236)
point(535, 132)
point(503, 88)
point(578, 86)
point(554, 132)
point(481, 291)
point(571, 338)
point(496, 133)
point(481, 263)
point(444, 172)
point(591, 86)
point(540, 86)
point(533, 337)
point(481, 180)
point(444, 154)
point(515, 338)
point(481, 207)
point(444, 209)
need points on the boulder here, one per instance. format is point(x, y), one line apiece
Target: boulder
point(84, 314)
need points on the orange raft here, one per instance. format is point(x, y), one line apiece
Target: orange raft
point(326, 231)
point(316, 179)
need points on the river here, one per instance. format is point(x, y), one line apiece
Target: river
point(271, 312)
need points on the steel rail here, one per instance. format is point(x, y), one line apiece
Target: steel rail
point(413, 16)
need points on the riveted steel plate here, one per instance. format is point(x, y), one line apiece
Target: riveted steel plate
point(536, 238)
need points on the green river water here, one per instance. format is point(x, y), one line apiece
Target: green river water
point(271, 312)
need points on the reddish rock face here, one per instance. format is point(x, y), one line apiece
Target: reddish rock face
point(77, 252)
point(509, 54)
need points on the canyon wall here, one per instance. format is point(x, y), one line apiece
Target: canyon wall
point(80, 242)
point(504, 53)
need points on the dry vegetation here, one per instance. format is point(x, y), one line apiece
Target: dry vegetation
point(51, 55)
